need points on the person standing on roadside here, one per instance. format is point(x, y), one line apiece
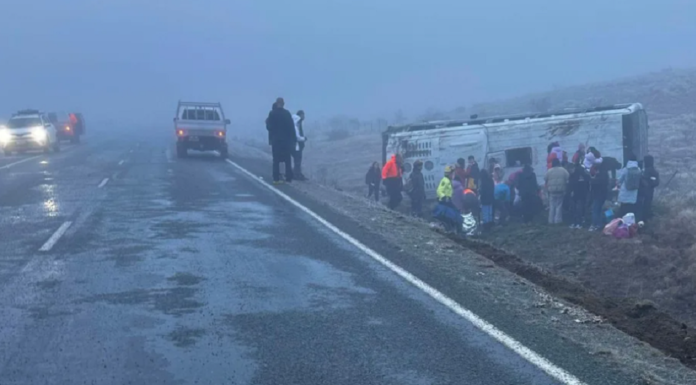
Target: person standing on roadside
point(487, 197)
point(473, 173)
point(556, 185)
point(416, 191)
point(298, 119)
point(281, 129)
point(646, 192)
point(628, 184)
point(528, 188)
point(392, 177)
point(579, 189)
point(599, 191)
point(579, 155)
point(373, 179)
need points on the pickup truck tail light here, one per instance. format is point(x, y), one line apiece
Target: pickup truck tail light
point(180, 132)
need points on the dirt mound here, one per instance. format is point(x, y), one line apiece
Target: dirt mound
point(639, 318)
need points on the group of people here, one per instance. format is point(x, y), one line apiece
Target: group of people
point(584, 181)
point(287, 140)
point(590, 180)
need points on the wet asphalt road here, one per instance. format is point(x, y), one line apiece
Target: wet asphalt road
point(186, 272)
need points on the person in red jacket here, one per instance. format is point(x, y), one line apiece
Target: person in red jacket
point(392, 176)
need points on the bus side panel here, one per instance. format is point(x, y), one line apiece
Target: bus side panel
point(603, 132)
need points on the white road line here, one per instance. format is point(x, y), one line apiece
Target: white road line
point(56, 236)
point(20, 162)
point(532, 357)
point(121, 162)
point(103, 183)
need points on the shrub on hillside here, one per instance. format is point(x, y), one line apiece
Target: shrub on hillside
point(336, 134)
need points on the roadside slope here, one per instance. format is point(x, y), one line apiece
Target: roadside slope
point(550, 327)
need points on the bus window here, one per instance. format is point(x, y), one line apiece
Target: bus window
point(518, 157)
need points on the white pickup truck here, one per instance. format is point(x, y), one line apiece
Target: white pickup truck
point(200, 126)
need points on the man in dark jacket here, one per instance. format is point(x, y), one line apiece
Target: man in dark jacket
point(416, 188)
point(599, 191)
point(649, 180)
point(579, 189)
point(487, 196)
point(281, 129)
point(528, 188)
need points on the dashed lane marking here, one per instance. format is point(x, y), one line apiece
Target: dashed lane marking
point(56, 236)
point(20, 162)
point(103, 183)
point(531, 356)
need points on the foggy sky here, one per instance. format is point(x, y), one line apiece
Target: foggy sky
point(131, 60)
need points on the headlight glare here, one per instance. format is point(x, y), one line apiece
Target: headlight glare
point(39, 134)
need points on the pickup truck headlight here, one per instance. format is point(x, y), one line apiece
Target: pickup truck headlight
point(39, 134)
point(5, 136)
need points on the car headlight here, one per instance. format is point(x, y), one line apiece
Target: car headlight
point(5, 136)
point(39, 134)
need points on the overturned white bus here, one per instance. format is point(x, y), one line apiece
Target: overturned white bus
point(616, 131)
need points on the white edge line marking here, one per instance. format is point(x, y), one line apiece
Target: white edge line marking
point(121, 162)
point(103, 183)
point(532, 357)
point(20, 162)
point(56, 236)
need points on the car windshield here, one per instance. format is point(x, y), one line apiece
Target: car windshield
point(23, 122)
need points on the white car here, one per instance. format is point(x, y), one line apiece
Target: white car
point(27, 131)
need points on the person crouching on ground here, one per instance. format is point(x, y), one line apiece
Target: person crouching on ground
point(417, 188)
point(445, 211)
point(579, 189)
point(392, 173)
point(556, 185)
point(373, 179)
point(487, 197)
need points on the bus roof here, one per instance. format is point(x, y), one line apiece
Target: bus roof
point(424, 126)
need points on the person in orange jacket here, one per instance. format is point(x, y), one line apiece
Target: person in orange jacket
point(392, 176)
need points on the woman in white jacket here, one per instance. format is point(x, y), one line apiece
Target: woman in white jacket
point(299, 147)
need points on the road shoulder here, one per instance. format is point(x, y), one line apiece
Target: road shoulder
point(547, 325)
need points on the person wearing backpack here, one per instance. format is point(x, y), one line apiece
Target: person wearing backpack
point(628, 184)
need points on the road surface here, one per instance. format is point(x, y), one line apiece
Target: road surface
point(120, 264)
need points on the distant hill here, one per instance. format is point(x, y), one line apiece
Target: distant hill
point(664, 94)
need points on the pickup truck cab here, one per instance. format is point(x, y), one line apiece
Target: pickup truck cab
point(28, 130)
point(201, 127)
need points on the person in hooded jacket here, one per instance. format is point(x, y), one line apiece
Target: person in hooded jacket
point(392, 177)
point(281, 130)
point(458, 193)
point(373, 179)
point(487, 197)
point(649, 181)
point(502, 201)
point(417, 188)
point(528, 188)
point(628, 184)
point(579, 185)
